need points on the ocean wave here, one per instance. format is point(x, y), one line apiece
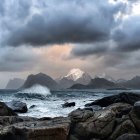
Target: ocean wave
point(36, 91)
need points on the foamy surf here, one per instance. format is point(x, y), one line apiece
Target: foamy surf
point(36, 91)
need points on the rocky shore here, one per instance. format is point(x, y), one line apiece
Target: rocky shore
point(115, 118)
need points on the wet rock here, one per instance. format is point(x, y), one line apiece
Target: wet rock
point(94, 108)
point(79, 115)
point(32, 106)
point(129, 137)
point(129, 98)
point(72, 137)
point(6, 111)
point(136, 108)
point(55, 129)
point(71, 104)
point(88, 125)
point(119, 109)
point(9, 120)
point(126, 126)
point(17, 106)
point(135, 119)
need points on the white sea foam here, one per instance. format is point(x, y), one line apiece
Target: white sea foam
point(36, 89)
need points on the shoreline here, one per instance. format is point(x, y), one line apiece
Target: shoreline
point(119, 117)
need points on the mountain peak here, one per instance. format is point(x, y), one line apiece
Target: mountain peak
point(75, 74)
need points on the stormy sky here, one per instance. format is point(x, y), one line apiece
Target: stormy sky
point(54, 36)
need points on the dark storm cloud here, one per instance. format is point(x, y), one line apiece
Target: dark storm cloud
point(127, 37)
point(64, 21)
point(96, 26)
point(89, 49)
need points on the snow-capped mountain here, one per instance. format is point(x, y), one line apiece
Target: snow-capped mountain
point(74, 76)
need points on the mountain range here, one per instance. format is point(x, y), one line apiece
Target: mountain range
point(15, 83)
point(74, 76)
point(75, 79)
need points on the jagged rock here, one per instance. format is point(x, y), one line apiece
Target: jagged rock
point(125, 127)
point(88, 125)
point(17, 106)
point(6, 111)
point(129, 98)
point(72, 137)
point(135, 119)
point(79, 115)
point(94, 108)
point(55, 129)
point(120, 109)
point(32, 106)
point(71, 104)
point(129, 137)
point(9, 120)
point(136, 108)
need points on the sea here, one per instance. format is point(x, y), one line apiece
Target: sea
point(48, 103)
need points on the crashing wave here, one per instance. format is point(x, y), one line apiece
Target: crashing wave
point(36, 91)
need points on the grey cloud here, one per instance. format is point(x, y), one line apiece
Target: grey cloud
point(65, 21)
point(127, 37)
point(90, 49)
point(17, 59)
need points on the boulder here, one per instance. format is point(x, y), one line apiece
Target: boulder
point(9, 120)
point(125, 126)
point(129, 98)
point(135, 119)
point(55, 129)
point(32, 106)
point(80, 115)
point(129, 137)
point(17, 106)
point(6, 111)
point(88, 124)
point(71, 104)
point(94, 108)
point(119, 109)
point(136, 108)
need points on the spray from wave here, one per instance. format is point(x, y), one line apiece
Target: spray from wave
point(36, 91)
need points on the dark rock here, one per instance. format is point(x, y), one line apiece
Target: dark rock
point(55, 129)
point(136, 108)
point(119, 109)
point(135, 119)
point(94, 108)
point(129, 137)
point(88, 124)
point(72, 137)
point(6, 111)
point(80, 115)
point(32, 106)
point(9, 120)
point(125, 127)
point(71, 104)
point(17, 106)
point(129, 98)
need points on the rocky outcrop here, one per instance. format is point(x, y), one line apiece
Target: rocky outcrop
point(107, 124)
point(17, 106)
point(71, 104)
point(5, 110)
point(129, 137)
point(129, 98)
point(54, 129)
point(117, 121)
